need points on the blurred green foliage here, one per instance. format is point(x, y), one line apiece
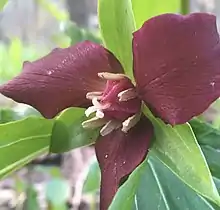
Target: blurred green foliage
point(13, 55)
point(2, 3)
point(54, 10)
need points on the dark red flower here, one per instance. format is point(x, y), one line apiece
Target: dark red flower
point(177, 74)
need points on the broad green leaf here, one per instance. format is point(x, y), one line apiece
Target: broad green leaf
point(178, 149)
point(2, 3)
point(117, 24)
point(93, 178)
point(205, 133)
point(22, 141)
point(153, 186)
point(57, 194)
point(68, 132)
point(167, 190)
point(145, 9)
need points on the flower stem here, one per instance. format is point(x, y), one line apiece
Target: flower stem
point(185, 6)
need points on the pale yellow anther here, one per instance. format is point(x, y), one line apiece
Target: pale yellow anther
point(127, 94)
point(94, 123)
point(92, 95)
point(100, 114)
point(90, 110)
point(130, 122)
point(109, 127)
point(111, 76)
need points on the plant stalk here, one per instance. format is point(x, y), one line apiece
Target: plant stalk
point(185, 7)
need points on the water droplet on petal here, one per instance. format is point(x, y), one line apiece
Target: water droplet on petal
point(49, 72)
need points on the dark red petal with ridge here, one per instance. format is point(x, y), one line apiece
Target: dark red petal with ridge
point(62, 78)
point(119, 154)
point(177, 65)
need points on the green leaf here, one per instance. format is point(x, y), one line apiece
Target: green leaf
point(117, 24)
point(54, 10)
point(74, 32)
point(15, 53)
point(93, 178)
point(209, 139)
point(11, 114)
point(217, 182)
point(153, 186)
point(7, 115)
point(31, 201)
point(22, 141)
point(77, 34)
point(68, 132)
point(205, 133)
point(57, 193)
point(178, 149)
point(2, 3)
point(145, 9)
point(161, 181)
point(125, 197)
point(212, 156)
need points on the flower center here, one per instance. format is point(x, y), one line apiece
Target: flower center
point(117, 106)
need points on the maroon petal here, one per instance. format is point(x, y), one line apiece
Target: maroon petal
point(119, 154)
point(177, 65)
point(62, 78)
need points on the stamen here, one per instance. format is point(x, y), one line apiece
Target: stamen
point(99, 114)
point(109, 127)
point(94, 123)
point(130, 122)
point(92, 95)
point(111, 76)
point(96, 103)
point(127, 94)
point(90, 110)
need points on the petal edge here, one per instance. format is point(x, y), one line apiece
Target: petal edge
point(62, 78)
point(176, 65)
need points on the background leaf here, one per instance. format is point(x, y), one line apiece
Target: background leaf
point(213, 159)
point(93, 178)
point(2, 3)
point(178, 149)
point(209, 139)
point(54, 10)
point(22, 141)
point(167, 191)
point(145, 9)
point(57, 193)
point(205, 133)
point(117, 24)
point(68, 132)
point(31, 201)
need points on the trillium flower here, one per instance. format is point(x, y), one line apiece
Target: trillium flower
point(176, 65)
